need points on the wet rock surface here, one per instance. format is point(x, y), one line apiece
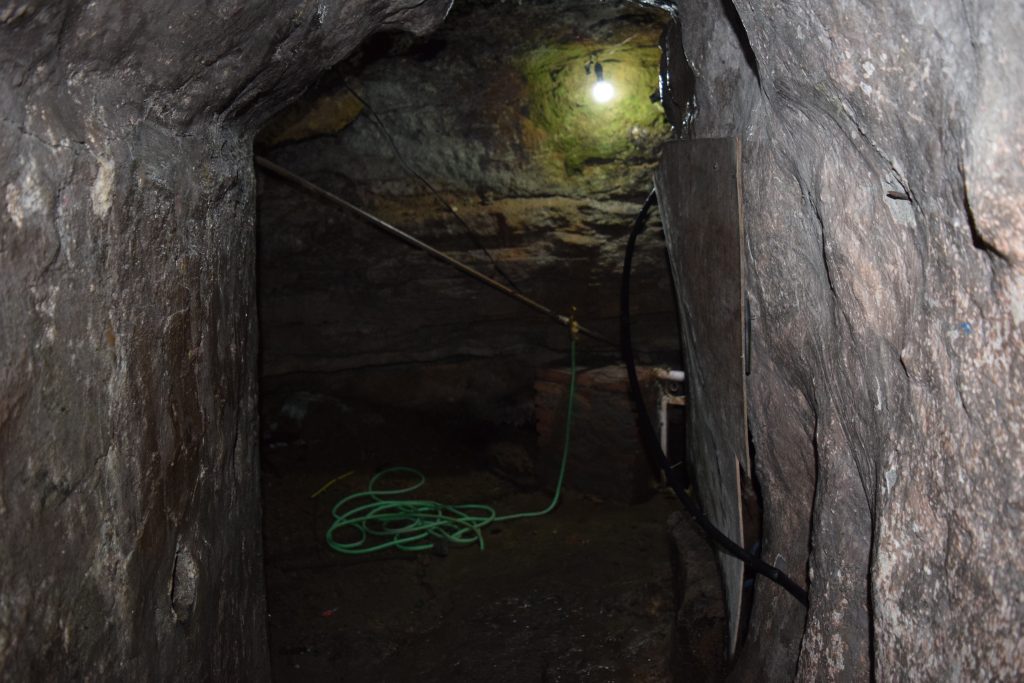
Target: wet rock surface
point(129, 499)
point(883, 180)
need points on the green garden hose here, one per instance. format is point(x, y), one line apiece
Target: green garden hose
point(382, 520)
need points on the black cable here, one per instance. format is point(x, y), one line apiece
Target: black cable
point(431, 188)
point(652, 443)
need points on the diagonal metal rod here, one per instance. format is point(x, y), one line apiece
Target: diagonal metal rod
point(265, 163)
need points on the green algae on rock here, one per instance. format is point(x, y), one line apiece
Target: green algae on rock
point(580, 131)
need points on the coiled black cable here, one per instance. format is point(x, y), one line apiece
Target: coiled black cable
point(653, 444)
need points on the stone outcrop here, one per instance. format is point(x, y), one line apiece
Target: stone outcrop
point(884, 196)
point(493, 110)
point(129, 499)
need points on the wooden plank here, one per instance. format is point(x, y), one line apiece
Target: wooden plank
point(700, 200)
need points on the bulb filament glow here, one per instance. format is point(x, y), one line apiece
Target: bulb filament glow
point(602, 92)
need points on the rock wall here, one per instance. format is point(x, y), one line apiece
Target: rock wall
point(885, 221)
point(129, 504)
point(494, 111)
point(884, 215)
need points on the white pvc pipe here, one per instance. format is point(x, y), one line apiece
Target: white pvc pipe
point(670, 375)
point(667, 399)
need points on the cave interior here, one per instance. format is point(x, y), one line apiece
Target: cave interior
point(213, 359)
point(375, 355)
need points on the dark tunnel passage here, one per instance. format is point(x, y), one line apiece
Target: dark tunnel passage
point(493, 140)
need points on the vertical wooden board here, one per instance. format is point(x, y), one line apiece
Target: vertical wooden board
point(699, 196)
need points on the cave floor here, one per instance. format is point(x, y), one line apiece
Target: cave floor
point(582, 594)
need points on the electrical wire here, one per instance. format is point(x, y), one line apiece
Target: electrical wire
point(381, 519)
point(426, 183)
point(652, 442)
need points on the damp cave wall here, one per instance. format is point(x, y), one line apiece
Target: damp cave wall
point(887, 371)
point(129, 498)
point(493, 110)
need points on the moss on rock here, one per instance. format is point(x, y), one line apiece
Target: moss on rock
point(577, 129)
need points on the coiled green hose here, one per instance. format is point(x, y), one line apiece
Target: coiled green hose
point(381, 519)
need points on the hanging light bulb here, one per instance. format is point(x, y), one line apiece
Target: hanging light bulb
point(603, 91)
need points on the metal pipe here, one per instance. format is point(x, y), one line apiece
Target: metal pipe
point(265, 163)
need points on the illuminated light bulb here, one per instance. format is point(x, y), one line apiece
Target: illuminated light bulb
point(602, 92)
